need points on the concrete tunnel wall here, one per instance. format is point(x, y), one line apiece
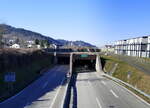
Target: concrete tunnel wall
point(98, 66)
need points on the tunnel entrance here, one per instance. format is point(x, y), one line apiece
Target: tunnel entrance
point(82, 64)
point(63, 60)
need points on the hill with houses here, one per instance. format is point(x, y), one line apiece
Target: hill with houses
point(26, 38)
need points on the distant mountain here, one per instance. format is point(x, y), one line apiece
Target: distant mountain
point(14, 33)
point(75, 43)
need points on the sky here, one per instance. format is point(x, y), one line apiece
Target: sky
point(99, 22)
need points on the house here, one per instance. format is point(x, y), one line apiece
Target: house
point(45, 46)
point(15, 46)
point(11, 41)
point(29, 46)
point(30, 42)
point(108, 49)
point(38, 46)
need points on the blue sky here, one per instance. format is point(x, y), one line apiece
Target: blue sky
point(96, 21)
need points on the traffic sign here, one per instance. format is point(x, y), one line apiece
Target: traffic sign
point(10, 77)
point(84, 55)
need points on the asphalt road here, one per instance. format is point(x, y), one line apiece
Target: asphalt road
point(43, 93)
point(94, 91)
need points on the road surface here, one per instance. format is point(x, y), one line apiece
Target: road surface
point(43, 93)
point(94, 91)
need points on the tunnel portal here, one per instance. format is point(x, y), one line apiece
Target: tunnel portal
point(83, 63)
point(63, 59)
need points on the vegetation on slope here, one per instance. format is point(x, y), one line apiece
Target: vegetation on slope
point(137, 78)
point(27, 65)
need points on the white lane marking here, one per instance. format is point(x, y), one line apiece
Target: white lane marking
point(45, 85)
point(98, 103)
point(53, 101)
point(130, 92)
point(103, 82)
point(114, 93)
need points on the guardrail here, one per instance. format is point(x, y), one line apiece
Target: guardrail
point(127, 84)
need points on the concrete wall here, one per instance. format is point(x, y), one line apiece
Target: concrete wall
point(98, 65)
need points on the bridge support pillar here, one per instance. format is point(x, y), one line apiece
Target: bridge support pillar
point(55, 58)
point(98, 65)
point(71, 64)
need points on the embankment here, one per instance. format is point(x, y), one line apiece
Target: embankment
point(126, 72)
point(27, 65)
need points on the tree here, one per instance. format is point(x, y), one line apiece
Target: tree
point(1, 36)
point(47, 43)
point(17, 41)
point(37, 41)
point(42, 43)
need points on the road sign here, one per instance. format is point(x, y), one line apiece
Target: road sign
point(84, 55)
point(10, 77)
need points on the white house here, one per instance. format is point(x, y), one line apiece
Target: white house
point(30, 42)
point(45, 46)
point(15, 46)
point(38, 46)
point(108, 48)
point(11, 41)
point(29, 46)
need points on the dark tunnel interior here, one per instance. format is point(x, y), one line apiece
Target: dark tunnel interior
point(81, 66)
point(63, 60)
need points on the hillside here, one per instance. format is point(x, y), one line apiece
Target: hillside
point(75, 43)
point(13, 33)
point(26, 35)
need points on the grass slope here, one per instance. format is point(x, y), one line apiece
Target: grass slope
point(137, 78)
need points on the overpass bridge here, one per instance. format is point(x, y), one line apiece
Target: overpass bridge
point(88, 60)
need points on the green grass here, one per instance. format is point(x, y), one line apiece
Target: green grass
point(138, 78)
